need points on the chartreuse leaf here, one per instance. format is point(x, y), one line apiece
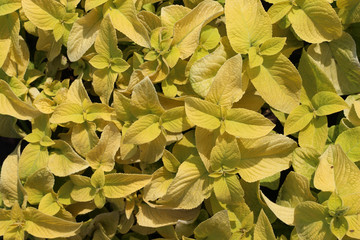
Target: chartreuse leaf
point(175, 120)
point(9, 34)
point(348, 141)
point(144, 99)
point(314, 135)
point(171, 14)
point(189, 187)
point(285, 214)
point(227, 189)
point(90, 4)
point(103, 154)
point(312, 26)
point(170, 162)
point(278, 82)
point(83, 137)
point(263, 228)
point(324, 175)
point(251, 29)
point(203, 113)
point(298, 119)
point(326, 103)
point(209, 37)
point(348, 11)
point(279, 10)
point(67, 112)
point(83, 34)
point(338, 60)
point(10, 187)
point(187, 30)
point(160, 182)
point(39, 184)
point(227, 86)
point(244, 123)
point(255, 59)
point(33, 158)
point(49, 204)
point(44, 14)
point(272, 46)
point(215, 228)
point(9, 6)
point(64, 161)
point(265, 156)
point(77, 93)
point(82, 191)
point(11, 105)
point(124, 19)
point(310, 221)
point(144, 130)
point(305, 161)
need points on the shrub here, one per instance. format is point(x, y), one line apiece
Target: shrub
point(201, 119)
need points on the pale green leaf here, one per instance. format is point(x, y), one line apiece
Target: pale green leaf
point(314, 135)
point(39, 184)
point(144, 130)
point(83, 34)
point(160, 182)
point(255, 59)
point(99, 111)
point(215, 228)
point(247, 24)
point(263, 157)
point(348, 141)
point(339, 226)
point(209, 37)
point(82, 191)
point(315, 21)
point(49, 205)
point(170, 162)
point(227, 86)
point(44, 14)
point(64, 161)
point(33, 158)
point(310, 221)
point(272, 46)
point(120, 185)
point(103, 83)
point(279, 10)
point(298, 119)
point(263, 228)
point(326, 103)
point(324, 175)
point(103, 154)
point(99, 61)
point(278, 82)
point(244, 123)
point(83, 137)
point(305, 161)
point(227, 189)
point(97, 179)
point(203, 113)
point(67, 112)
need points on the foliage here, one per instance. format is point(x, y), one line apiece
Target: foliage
point(149, 119)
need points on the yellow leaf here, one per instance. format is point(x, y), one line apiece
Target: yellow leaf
point(203, 113)
point(9, 6)
point(187, 30)
point(324, 175)
point(38, 184)
point(67, 112)
point(175, 120)
point(263, 228)
point(83, 137)
point(171, 14)
point(103, 83)
point(247, 24)
point(33, 158)
point(144, 130)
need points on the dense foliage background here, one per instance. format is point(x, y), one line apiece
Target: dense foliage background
point(193, 119)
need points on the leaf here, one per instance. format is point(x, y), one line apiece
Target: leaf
point(189, 187)
point(255, 59)
point(278, 82)
point(171, 14)
point(203, 113)
point(160, 182)
point(103, 154)
point(315, 21)
point(175, 120)
point(314, 135)
point(44, 14)
point(298, 119)
point(354, 226)
point(77, 93)
point(83, 34)
point(145, 100)
point(49, 205)
point(263, 157)
point(338, 60)
point(155, 217)
point(251, 29)
point(11, 105)
point(339, 227)
point(279, 10)
point(227, 86)
point(272, 46)
point(203, 71)
point(33, 158)
point(67, 112)
point(64, 161)
point(314, 78)
point(310, 221)
point(9, 6)
point(225, 155)
point(216, 227)
point(90, 4)
point(305, 161)
point(82, 191)
point(124, 19)
point(326, 103)
point(144, 130)
point(227, 189)
point(99, 111)
point(244, 123)
point(348, 11)
point(44, 226)
point(170, 162)
point(10, 187)
point(187, 30)
point(348, 141)
point(285, 214)
point(324, 175)
point(263, 228)
point(39, 184)
point(120, 185)
point(84, 138)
